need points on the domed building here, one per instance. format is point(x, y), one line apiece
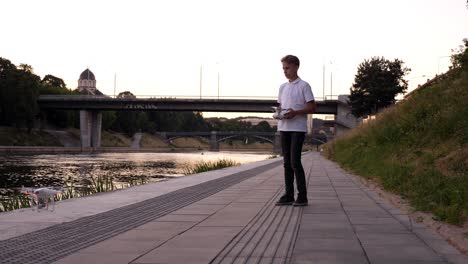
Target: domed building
point(87, 83)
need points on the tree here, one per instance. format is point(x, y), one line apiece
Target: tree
point(27, 91)
point(376, 84)
point(19, 89)
point(7, 82)
point(126, 94)
point(52, 81)
point(460, 58)
point(263, 126)
point(61, 118)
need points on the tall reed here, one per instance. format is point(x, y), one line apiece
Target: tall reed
point(203, 166)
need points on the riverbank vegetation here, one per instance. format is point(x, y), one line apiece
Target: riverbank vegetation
point(190, 142)
point(96, 185)
point(109, 139)
point(204, 166)
point(151, 141)
point(418, 148)
point(10, 136)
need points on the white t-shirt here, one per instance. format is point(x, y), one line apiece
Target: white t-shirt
point(294, 95)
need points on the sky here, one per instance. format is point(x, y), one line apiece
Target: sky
point(179, 47)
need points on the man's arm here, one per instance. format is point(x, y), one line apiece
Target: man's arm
point(308, 109)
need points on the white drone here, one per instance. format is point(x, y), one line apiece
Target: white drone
point(41, 198)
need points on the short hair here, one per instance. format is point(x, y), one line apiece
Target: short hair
point(291, 59)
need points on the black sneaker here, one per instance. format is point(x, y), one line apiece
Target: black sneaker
point(285, 200)
point(301, 202)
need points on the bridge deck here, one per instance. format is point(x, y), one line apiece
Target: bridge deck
point(226, 216)
point(170, 104)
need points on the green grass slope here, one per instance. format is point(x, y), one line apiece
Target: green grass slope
point(10, 136)
point(417, 149)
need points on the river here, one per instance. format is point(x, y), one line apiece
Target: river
point(85, 173)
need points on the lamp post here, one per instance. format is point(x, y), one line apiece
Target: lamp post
point(333, 66)
point(201, 74)
point(331, 81)
point(217, 66)
point(323, 78)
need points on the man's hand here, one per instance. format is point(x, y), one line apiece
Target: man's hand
point(309, 109)
point(290, 113)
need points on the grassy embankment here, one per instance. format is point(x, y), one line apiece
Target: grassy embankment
point(10, 136)
point(188, 142)
point(109, 139)
point(417, 149)
point(150, 141)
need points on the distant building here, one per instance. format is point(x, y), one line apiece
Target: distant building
point(87, 83)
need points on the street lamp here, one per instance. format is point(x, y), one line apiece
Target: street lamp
point(218, 66)
point(201, 74)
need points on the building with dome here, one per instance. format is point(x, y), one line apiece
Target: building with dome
point(87, 83)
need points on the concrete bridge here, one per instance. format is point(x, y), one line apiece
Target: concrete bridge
point(90, 108)
point(216, 137)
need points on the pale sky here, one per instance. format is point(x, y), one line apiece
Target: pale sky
point(157, 47)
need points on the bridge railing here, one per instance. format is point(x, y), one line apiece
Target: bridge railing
point(47, 96)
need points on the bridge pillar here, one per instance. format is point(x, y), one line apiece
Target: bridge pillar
point(90, 128)
point(344, 118)
point(214, 144)
point(277, 143)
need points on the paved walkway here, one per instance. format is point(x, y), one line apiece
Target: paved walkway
point(226, 216)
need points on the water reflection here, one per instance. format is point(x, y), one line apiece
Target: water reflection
point(86, 174)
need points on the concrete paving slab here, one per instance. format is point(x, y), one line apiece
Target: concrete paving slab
point(165, 255)
point(328, 244)
point(456, 258)
point(377, 239)
point(362, 220)
point(129, 247)
point(166, 226)
point(327, 257)
point(381, 229)
point(81, 258)
point(147, 235)
point(337, 232)
point(323, 209)
point(181, 218)
point(406, 253)
point(241, 218)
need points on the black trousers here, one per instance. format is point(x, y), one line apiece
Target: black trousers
point(291, 143)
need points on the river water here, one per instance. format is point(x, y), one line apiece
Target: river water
point(107, 171)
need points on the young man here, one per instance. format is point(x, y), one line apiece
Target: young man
point(297, 100)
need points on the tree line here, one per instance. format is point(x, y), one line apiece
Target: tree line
point(378, 81)
point(20, 87)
